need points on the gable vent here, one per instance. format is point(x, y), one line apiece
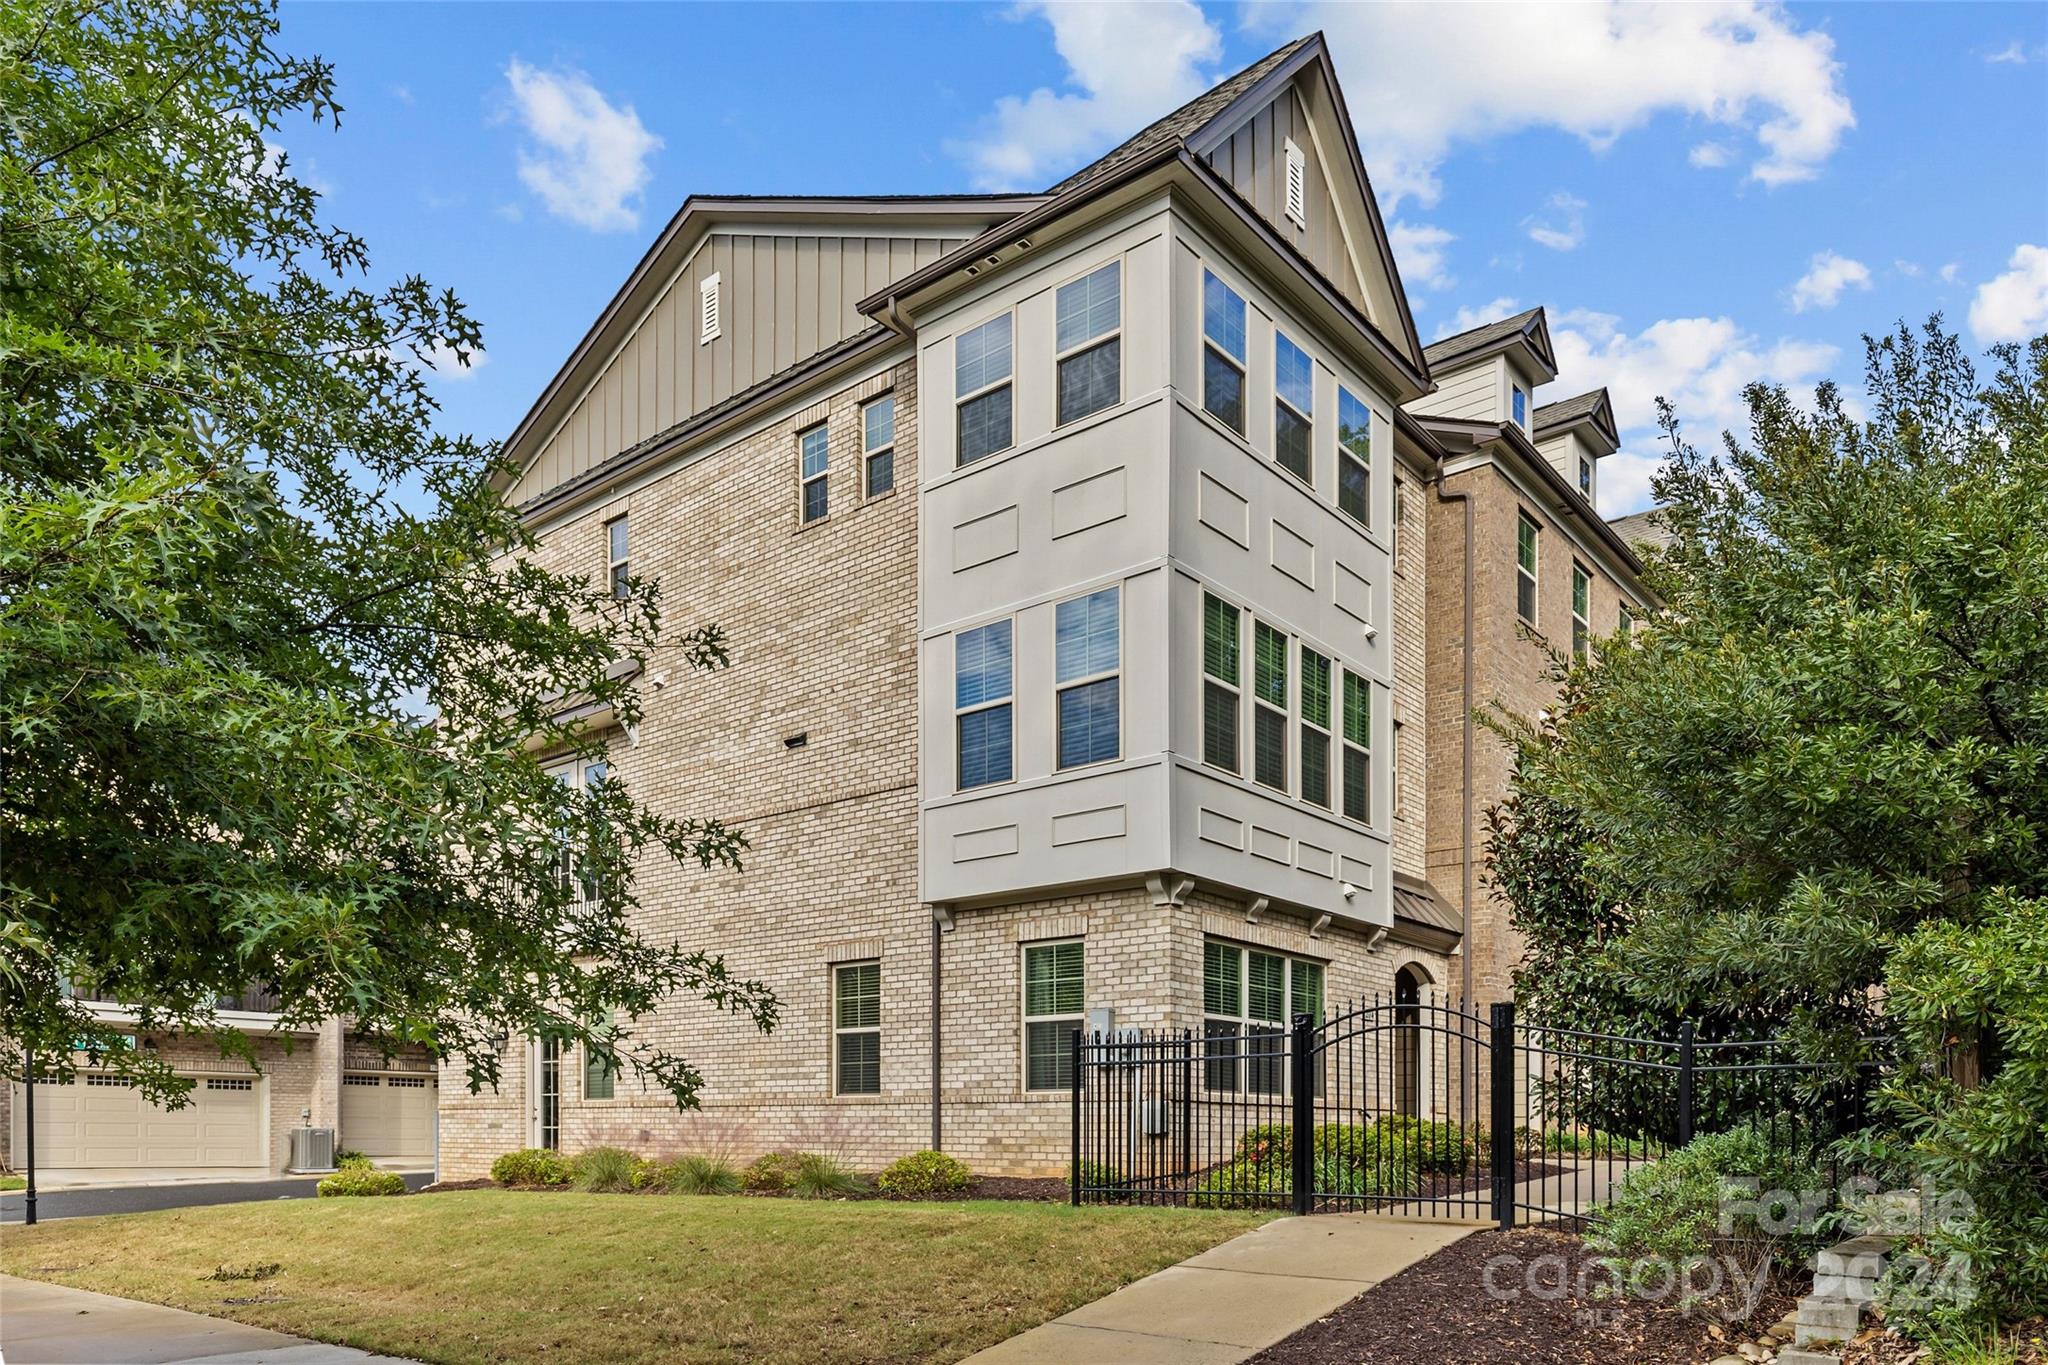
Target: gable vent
point(707, 309)
point(1297, 185)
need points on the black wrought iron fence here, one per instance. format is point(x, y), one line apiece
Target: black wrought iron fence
point(1422, 1107)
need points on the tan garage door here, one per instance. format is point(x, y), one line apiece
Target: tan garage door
point(102, 1121)
point(386, 1115)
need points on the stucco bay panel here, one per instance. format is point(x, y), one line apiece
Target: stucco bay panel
point(1252, 842)
point(1083, 826)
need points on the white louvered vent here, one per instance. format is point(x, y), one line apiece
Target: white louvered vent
point(707, 301)
point(1297, 185)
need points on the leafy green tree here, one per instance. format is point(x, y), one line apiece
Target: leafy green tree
point(1823, 773)
point(266, 721)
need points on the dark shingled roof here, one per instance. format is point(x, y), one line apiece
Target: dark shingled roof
point(1642, 528)
point(1568, 410)
point(1183, 122)
point(1451, 347)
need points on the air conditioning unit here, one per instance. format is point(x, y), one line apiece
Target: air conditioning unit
point(312, 1151)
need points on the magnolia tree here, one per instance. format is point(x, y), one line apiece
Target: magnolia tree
point(273, 654)
point(1813, 795)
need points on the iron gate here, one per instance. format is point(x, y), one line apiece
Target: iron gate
point(1421, 1107)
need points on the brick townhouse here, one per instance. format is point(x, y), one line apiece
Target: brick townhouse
point(1110, 573)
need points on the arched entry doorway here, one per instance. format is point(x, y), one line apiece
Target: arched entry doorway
point(1411, 1080)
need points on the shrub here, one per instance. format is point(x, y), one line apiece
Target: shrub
point(1672, 1209)
point(1267, 1184)
point(1267, 1144)
point(346, 1157)
point(820, 1177)
point(924, 1173)
point(1102, 1182)
point(361, 1178)
point(604, 1170)
point(1431, 1147)
point(649, 1174)
point(1344, 1143)
point(770, 1173)
point(530, 1166)
point(1244, 1183)
point(702, 1175)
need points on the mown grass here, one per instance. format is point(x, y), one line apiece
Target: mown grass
point(495, 1275)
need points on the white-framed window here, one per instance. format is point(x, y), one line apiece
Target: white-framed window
point(1357, 746)
point(1625, 622)
point(1088, 343)
point(1297, 185)
point(1055, 999)
point(618, 553)
point(1582, 591)
point(1223, 352)
point(577, 775)
point(1586, 478)
point(1087, 668)
point(1315, 728)
point(981, 390)
point(1527, 559)
point(1294, 390)
point(1249, 998)
point(1269, 706)
point(857, 1028)
point(1354, 457)
point(707, 310)
point(983, 723)
point(1519, 398)
point(1222, 677)
point(814, 456)
point(878, 444)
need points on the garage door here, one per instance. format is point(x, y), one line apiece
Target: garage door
point(386, 1115)
point(101, 1121)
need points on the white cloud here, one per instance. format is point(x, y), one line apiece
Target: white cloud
point(1594, 70)
point(402, 93)
point(2017, 53)
point(588, 159)
point(1700, 364)
point(1561, 225)
point(441, 361)
point(1950, 271)
point(1468, 317)
point(1710, 156)
point(1420, 252)
point(2013, 306)
point(1827, 275)
point(1128, 64)
point(1910, 269)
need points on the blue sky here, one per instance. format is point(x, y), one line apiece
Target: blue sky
point(1701, 195)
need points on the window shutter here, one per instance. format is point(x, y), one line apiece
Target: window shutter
point(707, 301)
point(1297, 185)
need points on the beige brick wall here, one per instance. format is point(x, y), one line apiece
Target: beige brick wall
point(1411, 698)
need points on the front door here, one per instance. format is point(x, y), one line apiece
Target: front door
point(546, 1093)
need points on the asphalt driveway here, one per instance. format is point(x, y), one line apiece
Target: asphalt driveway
point(89, 1203)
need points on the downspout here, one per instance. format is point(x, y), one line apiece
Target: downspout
point(937, 929)
point(1465, 756)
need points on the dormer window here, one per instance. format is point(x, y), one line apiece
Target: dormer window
point(1521, 406)
point(1586, 478)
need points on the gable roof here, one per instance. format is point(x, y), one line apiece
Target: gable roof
point(1529, 326)
point(1566, 413)
point(1645, 528)
point(1184, 123)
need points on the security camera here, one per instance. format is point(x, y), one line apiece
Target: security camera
point(1349, 891)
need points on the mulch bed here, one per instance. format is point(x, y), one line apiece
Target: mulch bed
point(1543, 1309)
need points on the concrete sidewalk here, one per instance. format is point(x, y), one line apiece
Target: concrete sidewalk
point(1235, 1299)
point(47, 1324)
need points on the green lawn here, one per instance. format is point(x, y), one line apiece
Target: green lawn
point(10, 1181)
point(493, 1275)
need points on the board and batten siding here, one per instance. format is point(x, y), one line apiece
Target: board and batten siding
point(782, 297)
point(1254, 161)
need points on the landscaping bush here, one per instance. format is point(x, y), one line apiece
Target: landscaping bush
point(1345, 1143)
point(346, 1157)
point(1432, 1148)
point(701, 1175)
point(604, 1170)
point(770, 1173)
point(924, 1173)
point(820, 1177)
point(361, 1178)
point(1100, 1180)
point(1267, 1144)
point(1672, 1209)
point(531, 1166)
point(649, 1174)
